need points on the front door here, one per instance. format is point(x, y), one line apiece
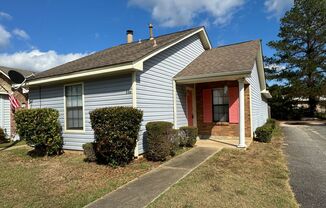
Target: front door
point(189, 108)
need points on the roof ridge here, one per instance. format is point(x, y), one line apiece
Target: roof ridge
point(231, 44)
point(120, 45)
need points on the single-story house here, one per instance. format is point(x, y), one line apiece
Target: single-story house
point(7, 122)
point(175, 77)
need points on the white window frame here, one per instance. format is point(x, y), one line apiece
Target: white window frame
point(65, 109)
point(213, 105)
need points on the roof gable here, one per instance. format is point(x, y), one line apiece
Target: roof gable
point(124, 54)
point(235, 58)
point(5, 70)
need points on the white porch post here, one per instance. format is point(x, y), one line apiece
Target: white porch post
point(242, 141)
point(175, 122)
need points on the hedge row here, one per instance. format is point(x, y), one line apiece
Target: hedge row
point(265, 132)
point(41, 129)
point(164, 141)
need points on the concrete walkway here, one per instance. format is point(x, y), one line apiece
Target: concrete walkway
point(143, 190)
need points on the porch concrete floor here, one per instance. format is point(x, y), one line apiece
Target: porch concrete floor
point(222, 142)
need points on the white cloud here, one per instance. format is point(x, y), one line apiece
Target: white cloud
point(37, 60)
point(171, 13)
point(20, 33)
point(4, 37)
point(5, 15)
point(277, 7)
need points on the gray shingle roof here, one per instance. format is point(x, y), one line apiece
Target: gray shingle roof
point(125, 53)
point(230, 58)
point(22, 71)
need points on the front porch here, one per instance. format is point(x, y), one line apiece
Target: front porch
point(221, 112)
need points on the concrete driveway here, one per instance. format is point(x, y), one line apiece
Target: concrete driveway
point(305, 147)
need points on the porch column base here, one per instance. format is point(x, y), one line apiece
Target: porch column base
point(241, 146)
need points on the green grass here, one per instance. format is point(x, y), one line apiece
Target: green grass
point(11, 144)
point(61, 181)
point(257, 177)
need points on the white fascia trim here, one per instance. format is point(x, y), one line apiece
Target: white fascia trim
point(266, 94)
point(4, 74)
point(203, 37)
point(260, 68)
point(97, 71)
point(138, 65)
point(220, 75)
point(4, 93)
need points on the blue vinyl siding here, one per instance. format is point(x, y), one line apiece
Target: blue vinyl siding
point(111, 91)
point(5, 114)
point(154, 84)
point(259, 106)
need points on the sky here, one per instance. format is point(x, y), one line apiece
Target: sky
point(40, 34)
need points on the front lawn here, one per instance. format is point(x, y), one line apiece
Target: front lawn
point(12, 144)
point(257, 177)
point(61, 181)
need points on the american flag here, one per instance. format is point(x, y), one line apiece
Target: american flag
point(14, 102)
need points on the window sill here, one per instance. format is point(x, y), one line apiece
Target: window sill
point(74, 131)
point(222, 123)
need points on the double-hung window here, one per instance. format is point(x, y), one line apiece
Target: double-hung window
point(220, 105)
point(74, 107)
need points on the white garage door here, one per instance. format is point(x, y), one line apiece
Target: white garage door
point(5, 113)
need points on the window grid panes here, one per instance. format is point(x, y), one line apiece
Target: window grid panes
point(74, 107)
point(220, 105)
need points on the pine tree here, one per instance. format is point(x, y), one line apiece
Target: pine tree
point(301, 49)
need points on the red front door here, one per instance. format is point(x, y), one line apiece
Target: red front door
point(189, 108)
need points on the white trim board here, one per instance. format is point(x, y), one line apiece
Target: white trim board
point(65, 130)
point(132, 66)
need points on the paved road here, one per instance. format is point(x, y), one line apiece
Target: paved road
point(305, 147)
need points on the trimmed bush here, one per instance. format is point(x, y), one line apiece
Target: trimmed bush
point(89, 151)
point(41, 129)
point(264, 133)
point(2, 136)
point(116, 131)
point(188, 135)
point(175, 142)
point(158, 139)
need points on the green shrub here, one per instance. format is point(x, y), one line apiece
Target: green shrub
point(271, 122)
point(41, 129)
point(175, 142)
point(89, 152)
point(2, 136)
point(158, 139)
point(188, 135)
point(116, 131)
point(264, 133)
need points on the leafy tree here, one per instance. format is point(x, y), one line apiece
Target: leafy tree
point(301, 50)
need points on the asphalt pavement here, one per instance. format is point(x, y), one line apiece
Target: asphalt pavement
point(305, 147)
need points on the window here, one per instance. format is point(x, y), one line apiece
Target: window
point(220, 104)
point(74, 107)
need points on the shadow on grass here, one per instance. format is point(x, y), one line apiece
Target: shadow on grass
point(10, 145)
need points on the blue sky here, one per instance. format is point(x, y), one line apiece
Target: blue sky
point(39, 34)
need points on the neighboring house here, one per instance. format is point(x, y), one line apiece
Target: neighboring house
point(304, 103)
point(176, 77)
point(7, 122)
